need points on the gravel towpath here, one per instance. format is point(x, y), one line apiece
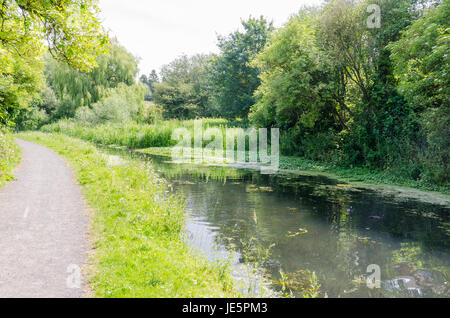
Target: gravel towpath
point(43, 229)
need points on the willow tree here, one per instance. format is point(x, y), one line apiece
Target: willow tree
point(77, 89)
point(69, 29)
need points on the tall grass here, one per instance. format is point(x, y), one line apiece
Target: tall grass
point(131, 135)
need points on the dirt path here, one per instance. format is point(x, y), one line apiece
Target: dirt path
point(43, 228)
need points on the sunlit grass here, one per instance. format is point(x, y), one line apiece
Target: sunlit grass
point(138, 226)
point(131, 135)
point(9, 157)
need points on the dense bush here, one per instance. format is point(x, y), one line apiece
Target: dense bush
point(150, 113)
point(436, 158)
point(39, 112)
point(354, 96)
point(32, 119)
point(120, 105)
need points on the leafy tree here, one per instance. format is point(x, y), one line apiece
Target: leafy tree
point(69, 29)
point(77, 89)
point(183, 91)
point(233, 79)
point(293, 89)
point(422, 66)
point(177, 101)
point(396, 16)
point(422, 58)
point(39, 112)
point(327, 81)
point(150, 81)
point(297, 89)
point(381, 125)
point(385, 129)
point(343, 36)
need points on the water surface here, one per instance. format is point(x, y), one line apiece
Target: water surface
point(300, 224)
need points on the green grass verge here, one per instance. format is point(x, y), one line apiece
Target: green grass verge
point(138, 228)
point(9, 157)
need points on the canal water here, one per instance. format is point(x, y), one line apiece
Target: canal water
point(305, 235)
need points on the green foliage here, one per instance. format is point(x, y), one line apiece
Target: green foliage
point(343, 34)
point(150, 81)
point(296, 93)
point(422, 67)
point(233, 80)
point(150, 113)
point(130, 135)
point(20, 76)
point(119, 105)
point(436, 158)
point(384, 132)
point(9, 157)
point(182, 92)
point(328, 82)
point(422, 59)
point(39, 112)
point(31, 119)
point(177, 101)
point(383, 137)
point(72, 32)
point(77, 89)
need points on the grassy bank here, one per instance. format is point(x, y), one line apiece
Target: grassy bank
point(138, 228)
point(346, 175)
point(9, 157)
point(135, 136)
point(358, 174)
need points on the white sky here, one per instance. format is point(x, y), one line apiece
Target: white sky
point(158, 31)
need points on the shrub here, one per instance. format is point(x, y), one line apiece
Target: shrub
point(150, 113)
point(437, 158)
point(120, 105)
point(32, 119)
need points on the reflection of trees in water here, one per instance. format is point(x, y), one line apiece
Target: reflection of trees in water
point(252, 211)
point(337, 244)
point(229, 211)
point(415, 272)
